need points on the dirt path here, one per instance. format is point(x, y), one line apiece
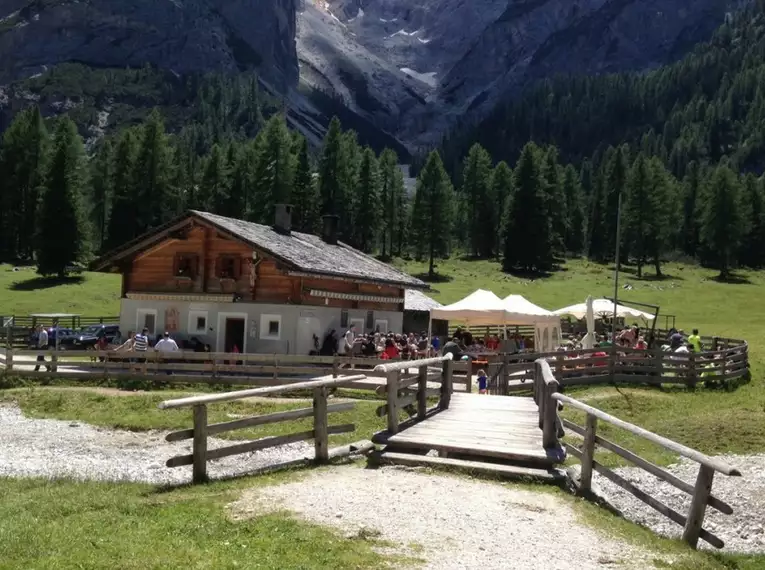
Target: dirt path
point(453, 523)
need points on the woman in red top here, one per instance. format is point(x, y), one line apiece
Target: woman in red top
point(391, 350)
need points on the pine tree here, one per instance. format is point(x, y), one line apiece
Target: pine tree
point(214, 193)
point(102, 175)
point(555, 201)
point(691, 189)
point(151, 181)
point(528, 239)
point(350, 163)
point(330, 166)
point(502, 189)
point(722, 222)
point(388, 167)
point(479, 201)
point(637, 211)
point(597, 247)
point(122, 225)
point(753, 243)
point(22, 167)
point(241, 165)
point(431, 213)
point(367, 202)
point(402, 218)
point(62, 229)
point(274, 170)
point(305, 215)
point(575, 230)
point(613, 186)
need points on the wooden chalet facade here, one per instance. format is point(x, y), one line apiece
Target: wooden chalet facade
point(228, 282)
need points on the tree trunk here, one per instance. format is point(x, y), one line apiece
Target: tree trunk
point(639, 267)
point(657, 265)
point(431, 268)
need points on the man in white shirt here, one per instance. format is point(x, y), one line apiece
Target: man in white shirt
point(166, 344)
point(42, 344)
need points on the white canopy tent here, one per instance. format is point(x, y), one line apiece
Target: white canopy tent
point(603, 308)
point(484, 308)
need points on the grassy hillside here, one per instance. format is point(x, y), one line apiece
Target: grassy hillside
point(24, 292)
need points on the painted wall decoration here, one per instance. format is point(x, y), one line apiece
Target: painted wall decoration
point(172, 318)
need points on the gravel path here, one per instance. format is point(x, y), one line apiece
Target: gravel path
point(459, 523)
point(743, 531)
point(55, 448)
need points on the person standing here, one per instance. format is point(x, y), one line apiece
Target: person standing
point(141, 345)
point(695, 341)
point(166, 344)
point(42, 344)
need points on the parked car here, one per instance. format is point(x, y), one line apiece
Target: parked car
point(87, 337)
point(62, 334)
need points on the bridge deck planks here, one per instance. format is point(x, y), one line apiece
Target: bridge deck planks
point(500, 427)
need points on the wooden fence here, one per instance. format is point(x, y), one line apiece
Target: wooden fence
point(618, 365)
point(700, 493)
point(17, 329)
point(204, 367)
point(409, 393)
point(320, 433)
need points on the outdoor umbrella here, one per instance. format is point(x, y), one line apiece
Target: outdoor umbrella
point(589, 339)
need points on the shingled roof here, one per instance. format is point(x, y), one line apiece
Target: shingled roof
point(302, 252)
point(415, 300)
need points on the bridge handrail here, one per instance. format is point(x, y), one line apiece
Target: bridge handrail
point(664, 442)
point(406, 364)
point(239, 394)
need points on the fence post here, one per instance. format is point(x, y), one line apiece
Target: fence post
point(698, 506)
point(422, 393)
point(539, 392)
point(335, 366)
point(9, 350)
point(447, 376)
point(392, 379)
point(199, 451)
point(692, 374)
point(612, 361)
point(550, 428)
point(588, 453)
point(469, 378)
point(320, 435)
point(659, 364)
point(504, 376)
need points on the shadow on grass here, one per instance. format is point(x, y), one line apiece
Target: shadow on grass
point(37, 283)
point(435, 278)
point(531, 275)
point(662, 277)
point(732, 279)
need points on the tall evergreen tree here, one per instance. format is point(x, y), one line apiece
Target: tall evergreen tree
point(575, 230)
point(274, 170)
point(690, 228)
point(402, 218)
point(502, 188)
point(528, 240)
point(62, 229)
point(214, 192)
point(102, 175)
point(367, 204)
point(22, 167)
point(480, 203)
point(753, 243)
point(350, 163)
point(122, 226)
point(431, 212)
point(388, 167)
point(330, 167)
point(722, 222)
point(555, 200)
point(305, 216)
point(241, 166)
point(597, 247)
point(151, 174)
point(613, 186)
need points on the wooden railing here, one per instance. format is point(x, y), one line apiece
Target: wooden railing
point(320, 433)
point(700, 492)
point(545, 387)
point(513, 372)
point(201, 367)
point(410, 392)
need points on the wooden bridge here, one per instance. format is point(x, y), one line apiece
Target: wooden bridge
point(491, 434)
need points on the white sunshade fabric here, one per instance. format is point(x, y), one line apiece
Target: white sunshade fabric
point(481, 307)
point(602, 308)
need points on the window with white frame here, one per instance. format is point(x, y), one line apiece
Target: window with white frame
point(146, 319)
point(381, 326)
point(271, 327)
point(197, 322)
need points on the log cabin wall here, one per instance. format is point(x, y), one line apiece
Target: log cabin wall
point(193, 265)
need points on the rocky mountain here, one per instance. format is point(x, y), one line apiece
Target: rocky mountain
point(460, 57)
point(179, 35)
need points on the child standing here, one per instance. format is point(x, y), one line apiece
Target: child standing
point(482, 382)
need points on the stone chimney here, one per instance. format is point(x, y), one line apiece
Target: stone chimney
point(329, 229)
point(283, 219)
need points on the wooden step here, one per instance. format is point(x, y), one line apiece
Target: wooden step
point(494, 469)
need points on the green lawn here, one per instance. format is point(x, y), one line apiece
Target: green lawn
point(63, 524)
point(91, 294)
point(138, 412)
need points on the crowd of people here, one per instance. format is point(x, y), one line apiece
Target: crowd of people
point(631, 337)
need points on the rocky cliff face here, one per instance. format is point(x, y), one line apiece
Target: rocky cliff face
point(181, 35)
point(462, 56)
